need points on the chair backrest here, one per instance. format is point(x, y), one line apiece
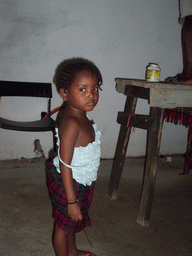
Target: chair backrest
point(26, 89)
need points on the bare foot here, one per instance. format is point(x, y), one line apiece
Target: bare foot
point(88, 253)
point(82, 253)
point(176, 80)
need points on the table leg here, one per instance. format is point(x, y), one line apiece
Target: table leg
point(152, 155)
point(121, 150)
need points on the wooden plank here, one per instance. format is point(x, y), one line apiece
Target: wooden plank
point(121, 149)
point(138, 121)
point(161, 94)
point(152, 155)
point(170, 98)
point(122, 82)
point(135, 91)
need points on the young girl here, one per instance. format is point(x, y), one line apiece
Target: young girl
point(72, 176)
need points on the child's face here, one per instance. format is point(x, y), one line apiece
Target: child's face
point(83, 94)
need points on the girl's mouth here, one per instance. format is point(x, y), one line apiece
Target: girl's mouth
point(90, 103)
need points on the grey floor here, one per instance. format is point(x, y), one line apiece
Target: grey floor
point(26, 222)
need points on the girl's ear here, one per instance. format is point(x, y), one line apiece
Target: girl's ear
point(63, 94)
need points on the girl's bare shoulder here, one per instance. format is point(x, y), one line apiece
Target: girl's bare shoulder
point(69, 124)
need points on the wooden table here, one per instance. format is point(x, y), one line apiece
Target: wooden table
point(159, 95)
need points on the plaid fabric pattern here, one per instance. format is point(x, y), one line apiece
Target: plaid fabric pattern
point(179, 116)
point(59, 202)
point(182, 116)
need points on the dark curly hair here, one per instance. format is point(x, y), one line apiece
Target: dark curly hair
point(66, 71)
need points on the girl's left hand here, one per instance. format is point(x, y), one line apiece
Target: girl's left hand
point(74, 212)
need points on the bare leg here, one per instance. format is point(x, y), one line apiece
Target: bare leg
point(72, 245)
point(60, 238)
point(64, 244)
point(186, 40)
point(186, 37)
point(73, 251)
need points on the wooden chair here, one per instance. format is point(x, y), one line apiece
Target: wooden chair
point(28, 89)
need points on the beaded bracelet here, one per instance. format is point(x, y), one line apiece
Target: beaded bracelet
point(74, 202)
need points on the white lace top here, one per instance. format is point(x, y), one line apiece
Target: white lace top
point(85, 161)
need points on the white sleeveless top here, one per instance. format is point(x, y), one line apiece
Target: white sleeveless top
point(85, 161)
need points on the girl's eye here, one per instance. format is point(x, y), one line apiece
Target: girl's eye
point(82, 89)
point(95, 89)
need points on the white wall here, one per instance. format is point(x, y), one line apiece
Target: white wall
point(121, 37)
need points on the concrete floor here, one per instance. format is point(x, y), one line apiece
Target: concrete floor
point(26, 222)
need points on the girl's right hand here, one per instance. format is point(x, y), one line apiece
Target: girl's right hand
point(74, 212)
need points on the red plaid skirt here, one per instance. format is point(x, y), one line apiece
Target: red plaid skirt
point(59, 202)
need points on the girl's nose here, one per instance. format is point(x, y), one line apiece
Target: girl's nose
point(90, 93)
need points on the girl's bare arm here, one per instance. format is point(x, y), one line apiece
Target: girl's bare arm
point(69, 133)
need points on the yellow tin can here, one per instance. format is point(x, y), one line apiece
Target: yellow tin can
point(153, 72)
